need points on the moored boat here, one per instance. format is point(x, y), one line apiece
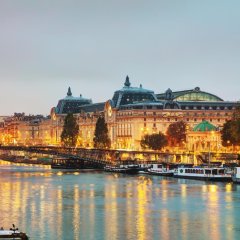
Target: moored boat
point(236, 175)
point(162, 169)
point(128, 169)
point(71, 163)
point(203, 173)
point(13, 233)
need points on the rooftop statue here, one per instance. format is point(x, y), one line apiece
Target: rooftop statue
point(169, 95)
point(127, 82)
point(69, 93)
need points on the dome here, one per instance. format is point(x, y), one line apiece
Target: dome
point(204, 126)
point(131, 95)
point(71, 104)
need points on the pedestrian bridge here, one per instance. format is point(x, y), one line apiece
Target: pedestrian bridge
point(101, 157)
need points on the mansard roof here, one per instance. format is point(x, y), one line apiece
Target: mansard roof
point(132, 95)
point(71, 104)
point(96, 107)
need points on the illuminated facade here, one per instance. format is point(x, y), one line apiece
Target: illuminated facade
point(135, 111)
point(130, 114)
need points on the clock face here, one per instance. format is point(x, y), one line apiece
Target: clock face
point(109, 111)
point(54, 116)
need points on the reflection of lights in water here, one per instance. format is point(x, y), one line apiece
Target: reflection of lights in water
point(92, 209)
point(184, 191)
point(164, 224)
point(228, 187)
point(229, 217)
point(59, 205)
point(59, 173)
point(141, 204)
point(111, 218)
point(184, 224)
point(76, 173)
point(76, 212)
point(213, 211)
point(213, 188)
point(129, 210)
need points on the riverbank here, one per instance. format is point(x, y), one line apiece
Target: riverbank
point(21, 159)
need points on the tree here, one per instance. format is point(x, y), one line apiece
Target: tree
point(70, 131)
point(154, 141)
point(230, 133)
point(176, 133)
point(101, 139)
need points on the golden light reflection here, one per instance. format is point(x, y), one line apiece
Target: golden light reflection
point(213, 211)
point(184, 191)
point(76, 212)
point(164, 224)
point(92, 209)
point(228, 187)
point(130, 226)
point(111, 216)
point(141, 208)
point(184, 224)
point(59, 205)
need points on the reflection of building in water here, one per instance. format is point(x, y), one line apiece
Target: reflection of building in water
point(130, 114)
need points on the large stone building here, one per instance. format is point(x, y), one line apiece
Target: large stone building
point(130, 114)
point(136, 111)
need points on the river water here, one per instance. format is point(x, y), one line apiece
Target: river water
point(53, 204)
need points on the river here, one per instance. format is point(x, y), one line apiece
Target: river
point(92, 205)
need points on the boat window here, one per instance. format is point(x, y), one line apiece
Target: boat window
point(207, 171)
point(221, 171)
point(214, 172)
point(159, 165)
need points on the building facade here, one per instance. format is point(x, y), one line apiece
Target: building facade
point(130, 114)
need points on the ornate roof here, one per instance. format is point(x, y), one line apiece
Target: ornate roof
point(189, 95)
point(131, 95)
point(71, 104)
point(204, 126)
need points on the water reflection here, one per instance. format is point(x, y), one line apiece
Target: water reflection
point(91, 205)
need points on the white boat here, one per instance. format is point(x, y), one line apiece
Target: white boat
point(128, 169)
point(13, 233)
point(236, 175)
point(162, 169)
point(203, 173)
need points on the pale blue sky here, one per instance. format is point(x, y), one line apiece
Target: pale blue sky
point(48, 45)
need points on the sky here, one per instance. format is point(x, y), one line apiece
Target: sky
point(48, 45)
